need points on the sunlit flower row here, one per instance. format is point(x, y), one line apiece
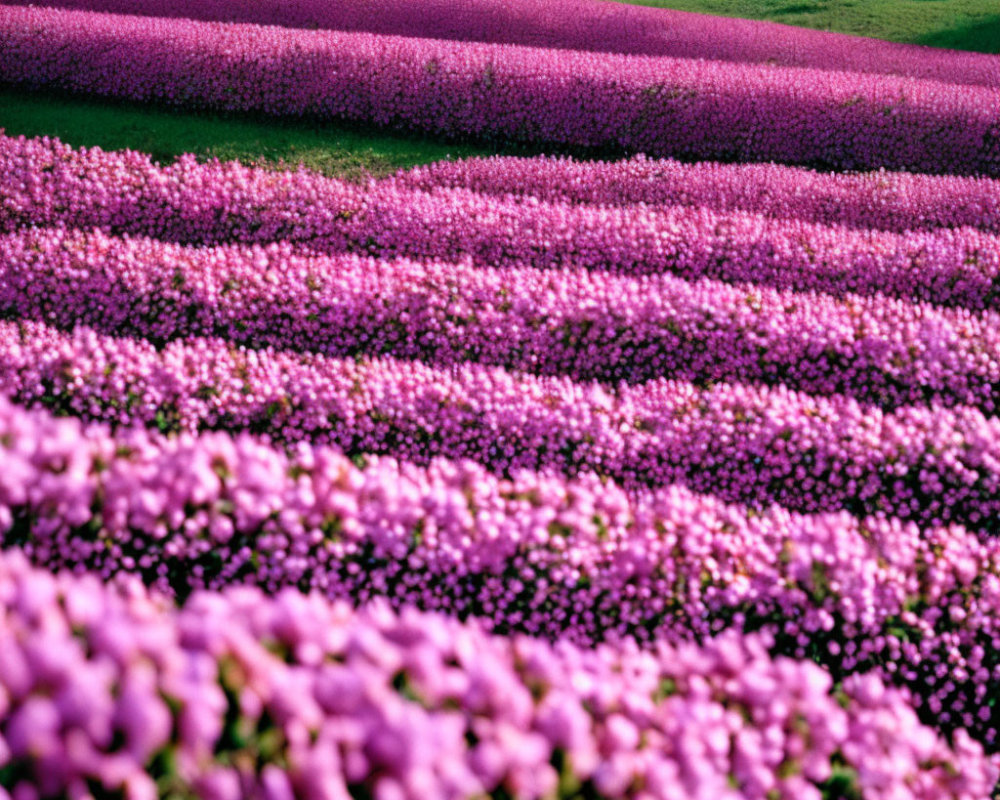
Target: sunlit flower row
point(892, 201)
point(50, 185)
point(589, 326)
point(573, 559)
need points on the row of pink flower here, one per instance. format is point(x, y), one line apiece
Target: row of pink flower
point(660, 106)
point(238, 695)
point(535, 553)
point(743, 444)
point(587, 25)
point(224, 204)
point(941, 266)
point(49, 183)
point(172, 503)
point(892, 201)
point(588, 326)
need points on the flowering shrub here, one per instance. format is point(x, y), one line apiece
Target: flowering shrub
point(241, 695)
point(583, 25)
point(891, 201)
point(48, 183)
point(230, 204)
point(659, 106)
point(577, 559)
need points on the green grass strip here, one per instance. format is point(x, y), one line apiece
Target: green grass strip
point(956, 24)
point(338, 150)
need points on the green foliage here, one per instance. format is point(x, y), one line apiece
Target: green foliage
point(842, 784)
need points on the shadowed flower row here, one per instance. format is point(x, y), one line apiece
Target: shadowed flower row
point(572, 99)
point(587, 25)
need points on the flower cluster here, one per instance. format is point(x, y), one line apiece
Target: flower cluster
point(691, 108)
point(586, 25)
point(49, 183)
point(573, 559)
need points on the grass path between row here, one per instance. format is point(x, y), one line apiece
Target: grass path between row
point(165, 134)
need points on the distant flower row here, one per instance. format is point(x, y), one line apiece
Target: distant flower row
point(586, 25)
point(216, 203)
point(660, 106)
point(48, 183)
point(891, 201)
point(536, 554)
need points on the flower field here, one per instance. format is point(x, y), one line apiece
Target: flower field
point(663, 464)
